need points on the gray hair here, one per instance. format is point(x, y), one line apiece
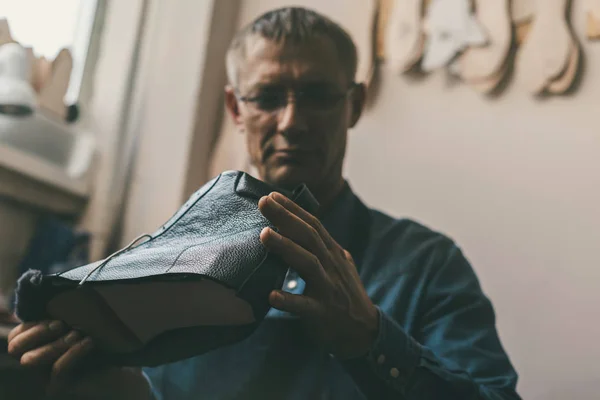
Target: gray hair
point(293, 25)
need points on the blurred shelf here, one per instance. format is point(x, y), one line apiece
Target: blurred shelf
point(44, 163)
point(30, 180)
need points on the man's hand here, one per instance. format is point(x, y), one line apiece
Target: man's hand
point(49, 344)
point(335, 306)
point(52, 345)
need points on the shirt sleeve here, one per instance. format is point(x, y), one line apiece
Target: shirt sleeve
point(154, 376)
point(455, 353)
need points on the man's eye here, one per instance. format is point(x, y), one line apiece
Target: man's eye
point(318, 98)
point(314, 94)
point(268, 101)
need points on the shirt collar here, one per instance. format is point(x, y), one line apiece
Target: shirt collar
point(339, 217)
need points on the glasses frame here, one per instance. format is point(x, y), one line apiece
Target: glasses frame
point(336, 99)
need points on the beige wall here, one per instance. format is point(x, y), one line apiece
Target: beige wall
point(516, 182)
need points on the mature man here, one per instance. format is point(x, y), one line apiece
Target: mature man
point(375, 307)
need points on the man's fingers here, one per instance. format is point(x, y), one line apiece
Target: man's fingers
point(31, 337)
point(293, 207)
point(293, 227)
point(300, 305)
point(48, 354)
point(17, 330)
point(299, 259)
point(71, 359)
point(304, 215)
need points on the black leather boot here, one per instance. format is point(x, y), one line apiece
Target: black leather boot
point(200, 282)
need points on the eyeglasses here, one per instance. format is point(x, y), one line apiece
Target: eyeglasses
point(312, 98)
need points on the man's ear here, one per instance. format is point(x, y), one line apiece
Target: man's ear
point(232, 104)
point(359, 99)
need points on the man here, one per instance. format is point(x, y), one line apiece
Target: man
point(374, 307)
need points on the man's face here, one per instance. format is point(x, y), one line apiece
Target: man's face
point(295, 105)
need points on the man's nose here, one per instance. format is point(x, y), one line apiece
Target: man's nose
point(291, 118)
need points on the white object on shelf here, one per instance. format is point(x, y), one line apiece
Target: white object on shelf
point(16, 94)
point(53, 92)
point(5, 35)
point(49, 144)
point(451, 27)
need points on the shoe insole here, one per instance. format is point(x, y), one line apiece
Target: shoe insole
point(52, 94)
point(486, 62)
point(522, 11)
point(488, 85)
point(404, 35)
point(123, 317)
point(593, 20)
point(563, 83)
point(546, 52)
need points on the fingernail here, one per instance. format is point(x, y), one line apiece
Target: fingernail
point(25, 359)
point(87, 343)
point(274, 234)
point(277, 297)
point(277, 197)
point(263, 201)
point(72, 338)
point(56, 325)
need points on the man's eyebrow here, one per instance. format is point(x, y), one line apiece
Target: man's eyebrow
point(326, 83)
point(264, 86)
point(303, 81)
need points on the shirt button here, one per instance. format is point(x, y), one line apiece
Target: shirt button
point(292, 284)
point(381, 359)
point(394, 372)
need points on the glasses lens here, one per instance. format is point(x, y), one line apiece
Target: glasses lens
point(318, 99)
point(314, 98)
point(270, 101)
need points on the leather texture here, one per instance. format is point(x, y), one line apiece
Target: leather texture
point(214, 235)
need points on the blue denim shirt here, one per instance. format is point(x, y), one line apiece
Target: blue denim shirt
point(437, 336)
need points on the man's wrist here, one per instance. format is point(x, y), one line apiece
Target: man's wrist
point(363, 339)
point(390, 361)
point(372, 331)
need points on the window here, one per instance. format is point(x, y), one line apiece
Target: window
point(50, 25)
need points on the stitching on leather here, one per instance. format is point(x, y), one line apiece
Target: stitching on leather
point(261, 263)
point(208, 241)
point(190, 206)
point(172, 223)
point(251, 274)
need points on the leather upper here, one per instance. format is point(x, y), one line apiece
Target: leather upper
point(214, 234)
